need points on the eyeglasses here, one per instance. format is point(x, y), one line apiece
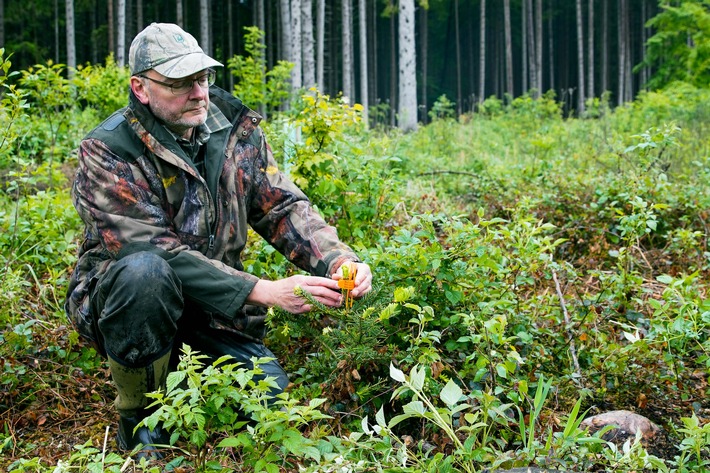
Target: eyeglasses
point(184, 86)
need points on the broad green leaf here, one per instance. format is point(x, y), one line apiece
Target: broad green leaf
point(451, 394)
point(397, 374)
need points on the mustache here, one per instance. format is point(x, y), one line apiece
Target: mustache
point(195, 105)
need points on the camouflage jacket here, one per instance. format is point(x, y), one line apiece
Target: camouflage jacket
point(136, 190)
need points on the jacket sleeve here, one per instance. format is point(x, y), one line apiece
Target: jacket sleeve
point(123, 210)
point(282, 214)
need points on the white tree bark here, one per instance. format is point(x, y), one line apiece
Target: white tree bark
point(309, 59)
point(320, 42)
point(590, 49)
point(580, 59)
point(364, 76)
point(286, 30)
point(179, 12)
point(407, 112)
point(121, 38)
point(347, 35)
point(508, 49)
point(296, 42)
point(71, 40)
point(205, 26)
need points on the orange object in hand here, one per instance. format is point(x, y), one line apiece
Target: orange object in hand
point(347, 282)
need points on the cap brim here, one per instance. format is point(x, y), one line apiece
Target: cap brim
point(186, 65)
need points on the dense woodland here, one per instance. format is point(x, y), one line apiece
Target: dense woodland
point(467, 50)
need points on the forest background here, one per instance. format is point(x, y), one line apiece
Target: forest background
point(537, 260)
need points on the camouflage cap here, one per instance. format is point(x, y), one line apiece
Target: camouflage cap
point(169, 50)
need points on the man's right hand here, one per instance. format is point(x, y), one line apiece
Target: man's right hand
point(281, 294)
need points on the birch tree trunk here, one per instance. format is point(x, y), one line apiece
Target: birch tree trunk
point(364, 93)
point(320, 43)
point(296, 44)
point(424, 48)
point(482, 55)
point(205, 26)
point(121, 38)
point(309, 59)
point(407, 112)
point(457, 41)
point(179, 12)
point(508, 49)
point(347, 37)
point(532, 50)
point(580, 59)
point(111, 29)
point(139, 15)
point(285, 30)
point(71, 40)
point(622, 53)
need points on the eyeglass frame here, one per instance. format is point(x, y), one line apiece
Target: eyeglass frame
point(211, 75)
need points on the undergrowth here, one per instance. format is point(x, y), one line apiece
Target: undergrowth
point(530, 270)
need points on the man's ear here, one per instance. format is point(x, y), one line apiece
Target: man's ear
point(139, 90)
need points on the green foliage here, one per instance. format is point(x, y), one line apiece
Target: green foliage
point(102, 87)
point(682, 33)
point(255, 85)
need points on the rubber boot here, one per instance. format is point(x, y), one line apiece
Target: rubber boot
point(132, 385)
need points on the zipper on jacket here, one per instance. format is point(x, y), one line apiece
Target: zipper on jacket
point(211, 243)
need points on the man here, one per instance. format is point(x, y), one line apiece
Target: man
point(166, 188)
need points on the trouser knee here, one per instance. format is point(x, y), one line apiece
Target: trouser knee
point(138, 303)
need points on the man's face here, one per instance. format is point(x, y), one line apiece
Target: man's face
point(180, 113)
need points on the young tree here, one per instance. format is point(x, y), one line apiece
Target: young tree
point(538, 46)
point(407, 111)
point(532, 50)
point(457, 42)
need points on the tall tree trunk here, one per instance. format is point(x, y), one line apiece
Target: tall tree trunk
point(424, 49)
point(205, 26)
point(347, 38)
point(551, 49)
point(407, 111)
point(532, 50)
point(121, 38)
point(364, 98)
point(508, 49)
point(580, 59)
point(320, 43)
point(457, 42)
point(111, 29)
point(621, 95)
point(605, 47)
point(2, 23)
point(524, 43)
point(56, 32)
point(139, 15)
point(482, 55)
point(71, 41)
point(590, 50)
point(309, 58)
point(297, 44)
point(285, 40)
point(179, 12)
point(394, 95)
point(230, 42)
point(538, 46)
